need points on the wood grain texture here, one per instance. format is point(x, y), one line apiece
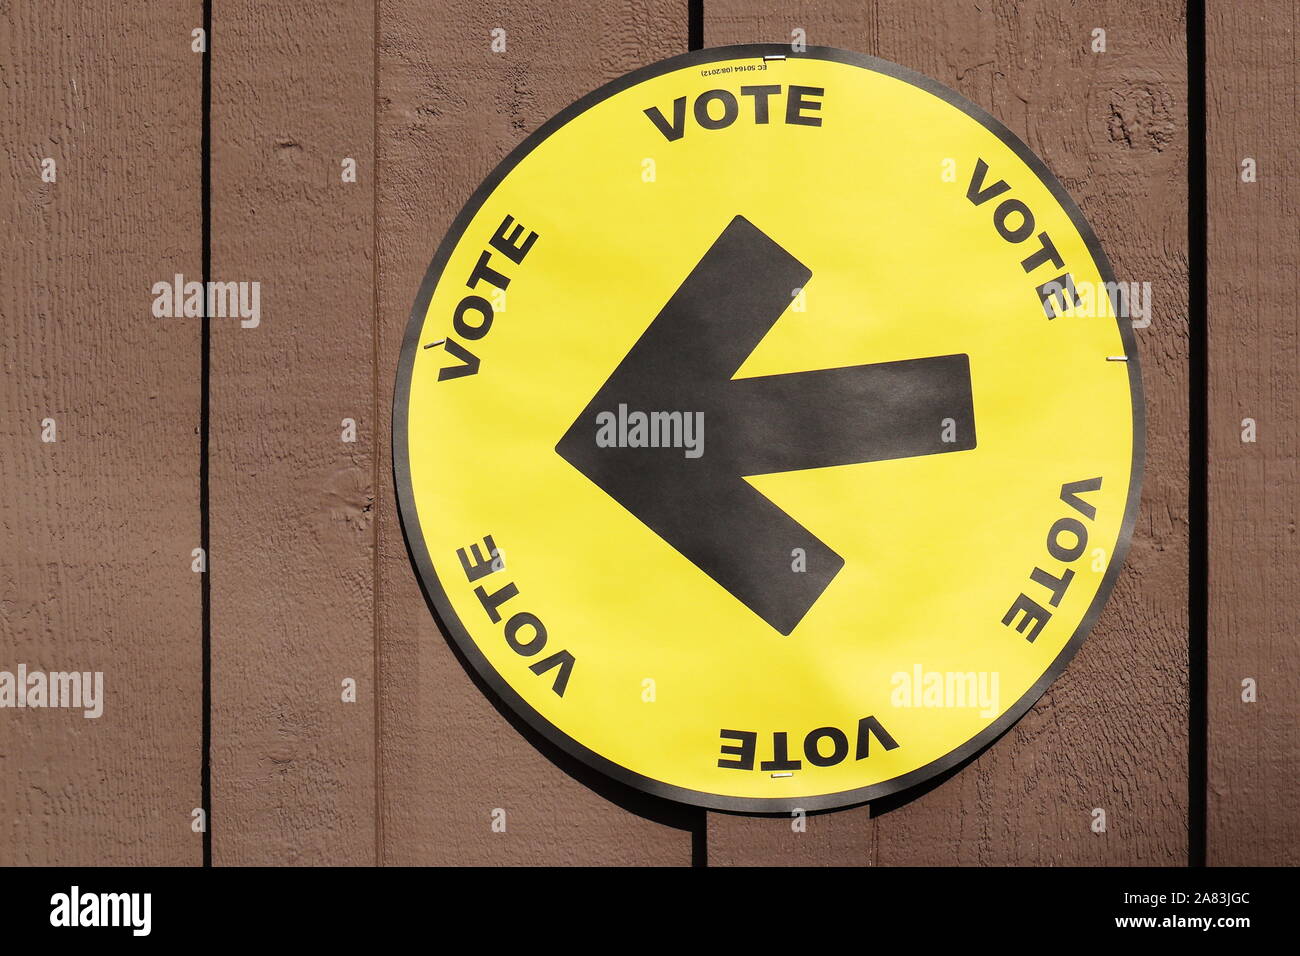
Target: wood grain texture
point(838, 838)
point(292, 504)
point(1254, 339)
point(96, 529)
point(450, 109)
point(1112, 731)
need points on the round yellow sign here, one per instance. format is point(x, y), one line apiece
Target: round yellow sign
point(765, 433)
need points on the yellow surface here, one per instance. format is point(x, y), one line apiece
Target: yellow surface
point(936, 548)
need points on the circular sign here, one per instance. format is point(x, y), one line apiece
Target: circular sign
point(765, 433)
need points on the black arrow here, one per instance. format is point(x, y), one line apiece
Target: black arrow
point(685, 361)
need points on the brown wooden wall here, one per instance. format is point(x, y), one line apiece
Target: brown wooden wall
point(167, 436)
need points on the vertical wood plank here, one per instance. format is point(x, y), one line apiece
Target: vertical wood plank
point(450, 109)
point(1254, 339)
point(844, 837)
point(96, 529)
point(1111, 733)
point(292, 503)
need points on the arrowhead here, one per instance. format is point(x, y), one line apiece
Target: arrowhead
point(679, 376)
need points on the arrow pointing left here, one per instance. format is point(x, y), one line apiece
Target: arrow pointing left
point(684, 362)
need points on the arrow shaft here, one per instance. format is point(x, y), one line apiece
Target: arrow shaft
point(843, 416)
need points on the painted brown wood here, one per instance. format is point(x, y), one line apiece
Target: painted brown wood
point(1111, 733)
point(292, 503)
point(449, 110)
point(96, 529)
point(1254, 340)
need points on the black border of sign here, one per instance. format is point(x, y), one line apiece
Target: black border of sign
point(438, 598)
